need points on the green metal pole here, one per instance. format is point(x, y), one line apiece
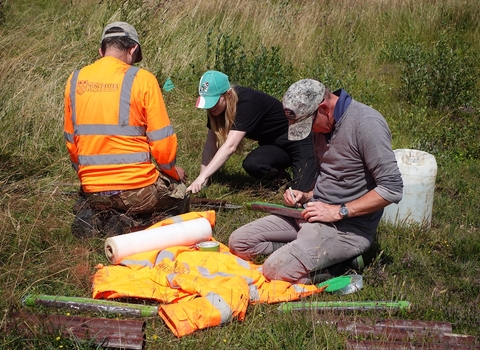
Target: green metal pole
point(88, 304)
point(343, 305)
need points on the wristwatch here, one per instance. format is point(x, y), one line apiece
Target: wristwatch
point(343, 211)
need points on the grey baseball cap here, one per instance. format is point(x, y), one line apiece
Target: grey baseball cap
point(299, 102)
point(128, 31)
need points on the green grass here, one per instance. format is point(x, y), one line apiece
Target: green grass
point(398, 56)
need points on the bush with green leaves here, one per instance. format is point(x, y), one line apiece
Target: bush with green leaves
point(262, 69)
point(441, 76)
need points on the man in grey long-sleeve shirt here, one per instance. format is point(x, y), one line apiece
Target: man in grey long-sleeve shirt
point(358, 177)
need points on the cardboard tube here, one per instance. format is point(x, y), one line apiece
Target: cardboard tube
point(184, 233)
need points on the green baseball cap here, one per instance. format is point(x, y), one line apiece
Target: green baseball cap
point(212, 85)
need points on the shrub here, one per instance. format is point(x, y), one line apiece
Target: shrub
point(262, 69)
point(441, 76)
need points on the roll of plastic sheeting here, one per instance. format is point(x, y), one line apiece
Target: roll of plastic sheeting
point(181, 233)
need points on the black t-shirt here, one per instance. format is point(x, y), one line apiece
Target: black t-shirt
point(260, 115)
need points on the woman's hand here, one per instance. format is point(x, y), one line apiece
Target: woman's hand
point(197, 185)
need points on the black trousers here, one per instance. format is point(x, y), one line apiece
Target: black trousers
point(268, 160)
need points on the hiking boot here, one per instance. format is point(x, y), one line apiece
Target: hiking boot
point(119, 224)
point(319, 276)
point(86, 224)
point(338, 270)
point(357, 263)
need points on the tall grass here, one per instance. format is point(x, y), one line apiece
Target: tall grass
point(386, 53)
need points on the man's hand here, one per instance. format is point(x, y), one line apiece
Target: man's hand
point(293, 198)
point(181, 174)
point(296, 198)
point(319, 211)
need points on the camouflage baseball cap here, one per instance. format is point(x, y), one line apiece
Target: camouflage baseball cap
point(299, 103)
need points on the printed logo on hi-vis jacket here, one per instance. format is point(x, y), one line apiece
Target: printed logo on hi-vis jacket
point(88, 86)
point(81, 86)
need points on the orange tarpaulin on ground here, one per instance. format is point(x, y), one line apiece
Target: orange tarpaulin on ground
point(197, 289)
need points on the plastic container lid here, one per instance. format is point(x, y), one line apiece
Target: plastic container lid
point(343, 284)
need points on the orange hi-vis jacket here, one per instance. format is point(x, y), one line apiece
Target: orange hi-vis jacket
point(196, 289)
point(115, 122)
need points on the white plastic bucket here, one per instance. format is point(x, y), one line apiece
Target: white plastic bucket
point(419, 170)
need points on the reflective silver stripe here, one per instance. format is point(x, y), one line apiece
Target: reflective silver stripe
point(243, 263)
point(206, 273)
point(254, 293)
point(73, 88)
point(106, 129)
point(75, 166)
point(176, 219)
point(164, 255)
point(144, 263)
point(299, 289)
point(109, 159)
point(68, 137)
point(160, 134)
point(221, 305)
point(249, 280)
point(124, 116)
point(168, 166)
point(170, 279)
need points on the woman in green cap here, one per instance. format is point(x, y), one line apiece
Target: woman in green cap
point(235, 112)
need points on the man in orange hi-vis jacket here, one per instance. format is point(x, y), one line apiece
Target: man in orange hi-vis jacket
point(115, 123)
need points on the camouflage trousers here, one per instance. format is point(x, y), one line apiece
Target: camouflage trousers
point(165, 195)
point(118, 212)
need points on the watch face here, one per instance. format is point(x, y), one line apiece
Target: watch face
point(343, 211)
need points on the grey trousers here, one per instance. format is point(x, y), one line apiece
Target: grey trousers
point(308, 246)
